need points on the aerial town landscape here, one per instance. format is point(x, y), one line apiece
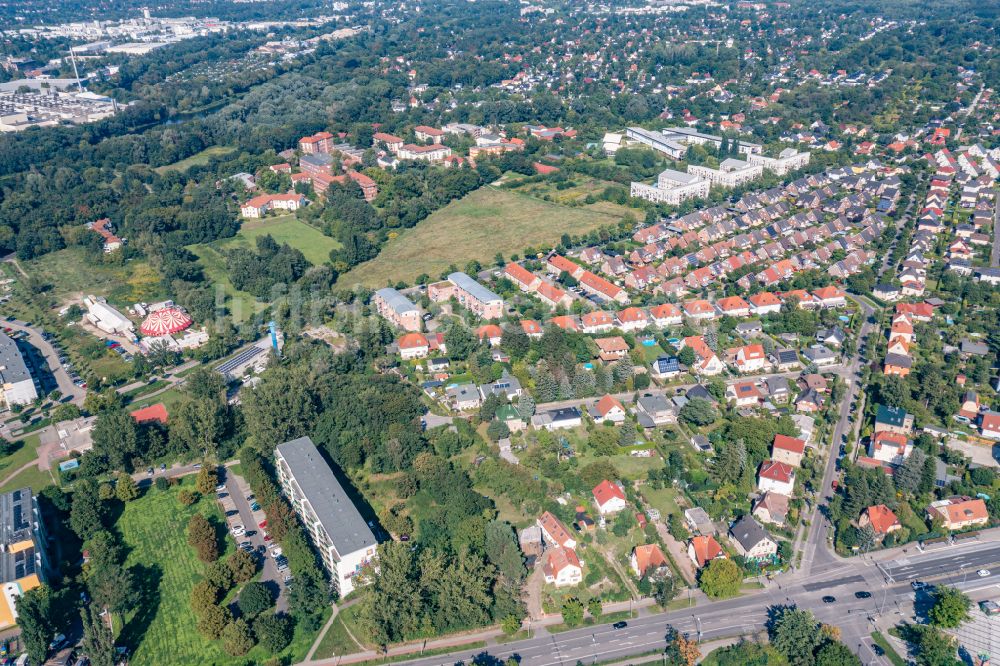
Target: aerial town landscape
point(499, 332)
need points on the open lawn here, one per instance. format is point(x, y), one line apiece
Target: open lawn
point(240, 304)
point(477, 226)
point(337, 641)
point(285, 229)
point(163, 629)
point(72, 277)
point(32, 476)
point(198, 159)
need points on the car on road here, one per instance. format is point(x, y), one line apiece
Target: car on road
point(220, 488)
point(828, 599)
point(620, 625)
point(983, 573)
point(251, 532)
point(918, 585)
point(149, 472)
point(862, 595)
point(163, 467)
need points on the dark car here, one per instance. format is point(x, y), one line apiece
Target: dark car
point(828, 599)
point(862, 595)
point(620, 625)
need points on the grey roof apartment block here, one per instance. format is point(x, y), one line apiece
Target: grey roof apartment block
point(333, 508)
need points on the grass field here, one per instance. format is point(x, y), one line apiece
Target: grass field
point(197, 159)
point(32, 476)
point(284, 229)
point(239, 303)
point(72, 277)
point(337, 640)
point(477, 226)
point(163, 630)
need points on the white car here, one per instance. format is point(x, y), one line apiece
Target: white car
point(983, 573)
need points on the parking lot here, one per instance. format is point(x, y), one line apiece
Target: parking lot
point(233, 493)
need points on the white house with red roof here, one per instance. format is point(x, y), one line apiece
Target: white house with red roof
point(555, 532)
point(531, 328)
point(597, 322)
point(632, 319)
point(556, 264)
point(706, 363)
point(788, 450)
point(260, 205)
point(699, 309)
point(703, 549)
point(890, 447)
point(608, 408)
point(776, 477)
point(830, 297)
point(609, 498)
point(733, 306)
point(524, 279)
point(764, 303)
point(413, 345)
point(491, 333)
point(750, 358)
point(989, 425)
point(666, 315)
point(562, 567)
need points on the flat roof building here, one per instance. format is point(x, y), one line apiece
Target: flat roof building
point(23, 562)
point(336, 528)
point(16, 384)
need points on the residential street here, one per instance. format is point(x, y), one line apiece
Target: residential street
point(747, 614)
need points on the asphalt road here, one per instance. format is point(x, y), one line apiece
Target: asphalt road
point(955, 567)
point(747, 614)
point(816, 553)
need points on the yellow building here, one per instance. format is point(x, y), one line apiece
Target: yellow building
point(23, 563)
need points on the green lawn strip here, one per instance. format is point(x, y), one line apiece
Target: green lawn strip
point(475, 645)
point(336, 642)
point(25, 454)
point(140, 391)
point(590, 622)
point(890, 652)
point(32, 477)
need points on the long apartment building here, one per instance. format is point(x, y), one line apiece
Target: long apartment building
point(731, 173)
point(672, 187)
point(16, 385)
point(787, 160)
point(397, 309)
point(23, 560)
point(469, 293)
point(336, 528)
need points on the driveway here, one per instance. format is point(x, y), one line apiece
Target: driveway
point(984, 455)
point(238, 490)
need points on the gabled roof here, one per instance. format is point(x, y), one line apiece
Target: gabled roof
point(606, 404)
point(786, 443)
point(706, 549)
point(649, 557)
point(882, 519)
point(605, 491)
point(777, 471)
point(748, 532)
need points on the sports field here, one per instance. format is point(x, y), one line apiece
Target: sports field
point(477, 226)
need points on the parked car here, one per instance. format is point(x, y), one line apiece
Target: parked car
point(58, 642)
